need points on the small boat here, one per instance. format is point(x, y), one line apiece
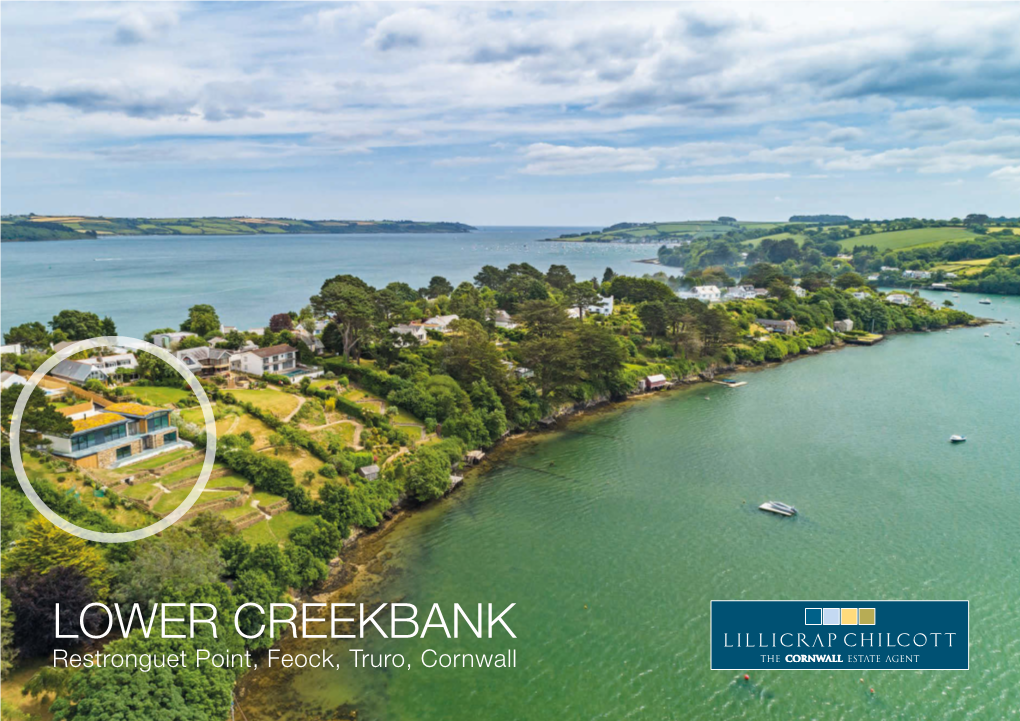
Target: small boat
point(988, 335)
point(730, 383)
point(957, 439)
point(985, 301)
point(781, 509)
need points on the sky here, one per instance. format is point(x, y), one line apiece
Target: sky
point(510, 114)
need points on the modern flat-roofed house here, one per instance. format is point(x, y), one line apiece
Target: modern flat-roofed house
point(843, 326)
point(417, 331)
point(440, 323)
point(166, 340)
point(77, 372)
point(121, 433)
point(278, 359)
point(14, 348)
point(786, 327)
point(205, 361)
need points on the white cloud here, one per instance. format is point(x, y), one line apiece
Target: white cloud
point(546, 159)
point(1009, 173)
point(731, 178)
point(462, 161)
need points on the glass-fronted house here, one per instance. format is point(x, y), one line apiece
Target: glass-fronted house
point(119, 434)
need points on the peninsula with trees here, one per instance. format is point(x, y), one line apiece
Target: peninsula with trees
point(20, 228)
point(365, 400)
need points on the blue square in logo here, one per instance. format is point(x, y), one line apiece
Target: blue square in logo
point(812, 617)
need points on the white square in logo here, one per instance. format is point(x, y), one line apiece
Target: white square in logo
point(830, 616)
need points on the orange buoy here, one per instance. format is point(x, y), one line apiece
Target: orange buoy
point(872, 690)
point(747, 677)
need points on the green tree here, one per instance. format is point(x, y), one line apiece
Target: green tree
point(850, 280)
point(469, 355)
point(581, 296)
point(202, 320)
point(157, 371)
point(176, 559)
point(254, 586)
point(7, 650)
point(439, 286)
point(428, 476)
point(32, 334)
point(80, 325)
point(39, 416)
point(44, 547)
point(560, 277)
point(349, 303)
point(192, 341)
point(320, 537)
point(338, 506)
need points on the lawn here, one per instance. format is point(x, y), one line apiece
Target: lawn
point(140, 491)
point(278, 403)
point(230, 481)
point(190, 471)
point(899, 239)
point(157, 395)
point(232, 514)
point(299, 460)
point(283, 523)
point(966, 267)
point(169, 501)
point(160, 460)
point(341, 432)
point(311, 414)
point(259, 533)
point(257, 428)
point(266, 499)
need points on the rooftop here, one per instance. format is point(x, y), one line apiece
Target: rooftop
point(274, 350)
point(133, 409)
point(97, 421)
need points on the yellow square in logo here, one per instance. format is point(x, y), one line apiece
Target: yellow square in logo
point(867, 617)
point(848, 617)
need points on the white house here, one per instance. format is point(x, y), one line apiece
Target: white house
point(440, 323)
point(917, 274)
point(502, 319)
point(8, 379)
point(707, 293)
point(889, 269)
point(740, 292)
point(900, 298)
point(165, 340)
point(843, 326)
point(418, 331)
point(951, 275)
point(873, 277)
point(110, 363)
point(77, 372)
point(799, 292)
point(603, 307)
point(278, 359)
point(14, 348)
point(860, 294)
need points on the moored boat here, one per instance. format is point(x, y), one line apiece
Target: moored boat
point(957, 439)
point(779, 508)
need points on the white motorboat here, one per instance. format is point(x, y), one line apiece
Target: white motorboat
point(957, 439)
point(985, 301)
point(782, 509)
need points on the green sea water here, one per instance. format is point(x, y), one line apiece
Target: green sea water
point(613, 534)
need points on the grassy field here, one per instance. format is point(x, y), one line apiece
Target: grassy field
point(342, 432)
point(278, 403)
point(966, 267)
point(275, 530)
point(169, 501)
point(160, 460)
point(140, 491)
point(157, 395)
point(899, 239)
point(191, 471)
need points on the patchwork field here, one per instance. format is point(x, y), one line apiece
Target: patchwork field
point(967, 267)
point(900, 239)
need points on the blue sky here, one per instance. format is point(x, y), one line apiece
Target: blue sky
point(521, 114)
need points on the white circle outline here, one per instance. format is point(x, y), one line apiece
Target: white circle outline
point(210, 442)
